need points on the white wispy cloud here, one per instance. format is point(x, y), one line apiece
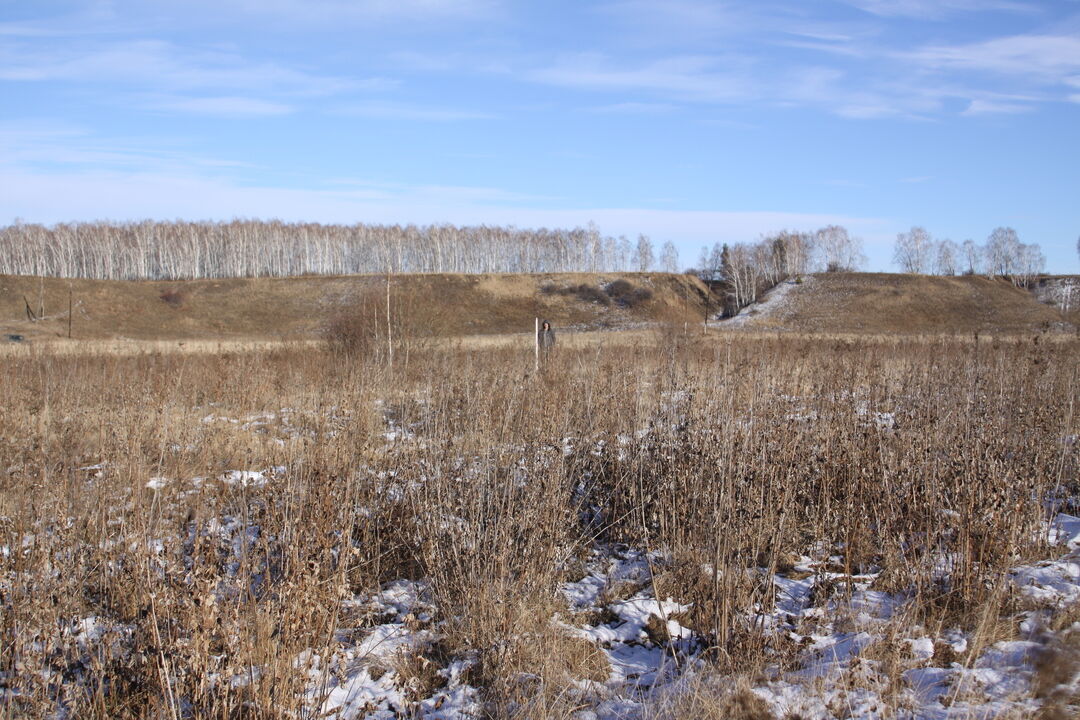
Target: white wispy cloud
point(692, 20)
point(41, 143)
point(861, 73)
point(881, 85)
point(705, 25)
point(720, 81)
point(421, 113)
point(936, 9)
point(691, 77)
point(991, 107)
point(349, 11)
point(156, 64)
point(1010, 75)
point(226, 106)
point(1051, 58)
point(28, 30)
point(635, 108)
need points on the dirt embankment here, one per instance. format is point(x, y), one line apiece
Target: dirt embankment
point(300, 309)
point(911, 304)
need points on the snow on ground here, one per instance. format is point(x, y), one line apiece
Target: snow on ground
point(773, 300)
point(841, 627)
point(841, 632)
point(996, 681)
point(362, 678)
point(836, 674)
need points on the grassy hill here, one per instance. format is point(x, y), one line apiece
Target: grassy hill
point(886, 303)
point(269, 309)
point(302, 308)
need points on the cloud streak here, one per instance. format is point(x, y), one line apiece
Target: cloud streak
point(338, 12)
point(35, 146)
point(1050, 58)
point(935, 9)
point(418, 113)
point(695, 78)
point(155, 64)
point(227, 106)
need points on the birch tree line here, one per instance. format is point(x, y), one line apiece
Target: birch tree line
point(1003, 255)
point(152, 250)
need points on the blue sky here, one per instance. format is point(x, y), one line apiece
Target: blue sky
point(688, 121)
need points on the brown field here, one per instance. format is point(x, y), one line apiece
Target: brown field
point(140, 579)
point(279, 309)
point(487, 311)
point(221, 521)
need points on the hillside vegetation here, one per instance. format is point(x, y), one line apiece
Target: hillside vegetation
point(443, 305)
point(886, 303)
point(303, 308)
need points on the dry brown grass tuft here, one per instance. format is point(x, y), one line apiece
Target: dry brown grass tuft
point(1057, 674)
point(712, 699)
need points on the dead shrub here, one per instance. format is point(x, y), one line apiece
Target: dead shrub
point(355, 332)
point(371, 327)
point(173, 297)
point(583, 292)
point(627, 295)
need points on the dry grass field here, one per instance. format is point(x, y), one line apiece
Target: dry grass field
point(734, 525)
point(296, 309)
point(493, 310)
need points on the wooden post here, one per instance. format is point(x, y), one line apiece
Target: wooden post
point(69, 313)
point(536, 345)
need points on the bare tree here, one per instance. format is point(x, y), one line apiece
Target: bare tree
point(912, 251)
point(626, 253)
point(1002, 251)
point(740, 275)
point(972, 256)
point(716, 262)
point(1030, 263)
point(837, 250)
point(644, 254)
point(945, 259)
point(797, 249)
point(669, 258)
